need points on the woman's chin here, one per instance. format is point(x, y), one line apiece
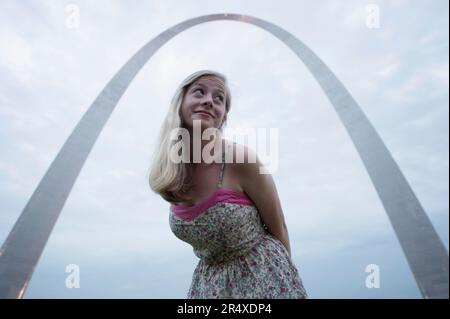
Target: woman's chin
point(204, 124)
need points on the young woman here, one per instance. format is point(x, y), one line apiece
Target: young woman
point(225, 209)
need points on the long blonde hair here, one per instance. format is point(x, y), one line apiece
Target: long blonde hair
point(173, 180)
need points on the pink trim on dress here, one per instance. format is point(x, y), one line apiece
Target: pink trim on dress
point(221, 195)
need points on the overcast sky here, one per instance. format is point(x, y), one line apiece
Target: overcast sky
point(116, 230)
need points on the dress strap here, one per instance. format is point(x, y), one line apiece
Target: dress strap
point(219, 185)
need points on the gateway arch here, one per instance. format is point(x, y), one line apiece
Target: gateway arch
point(426, 255)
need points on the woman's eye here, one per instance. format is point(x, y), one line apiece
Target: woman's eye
point(219, 96)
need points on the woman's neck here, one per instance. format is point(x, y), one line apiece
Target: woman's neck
point(197, 147)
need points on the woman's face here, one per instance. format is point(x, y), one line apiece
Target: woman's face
point(204, 100)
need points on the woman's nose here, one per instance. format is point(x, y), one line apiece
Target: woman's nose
point(208, 100)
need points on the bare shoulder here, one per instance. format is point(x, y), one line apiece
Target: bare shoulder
point(242, 162)
point(239, 154)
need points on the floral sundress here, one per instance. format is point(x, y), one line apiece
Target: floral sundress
point(239, 258)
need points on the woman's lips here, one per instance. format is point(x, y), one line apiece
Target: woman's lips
point(204, 114)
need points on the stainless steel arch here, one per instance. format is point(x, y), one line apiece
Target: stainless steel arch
point(424, 251)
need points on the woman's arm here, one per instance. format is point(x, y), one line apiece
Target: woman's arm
point(262, 190)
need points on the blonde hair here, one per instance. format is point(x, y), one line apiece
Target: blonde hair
point(173, 180)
